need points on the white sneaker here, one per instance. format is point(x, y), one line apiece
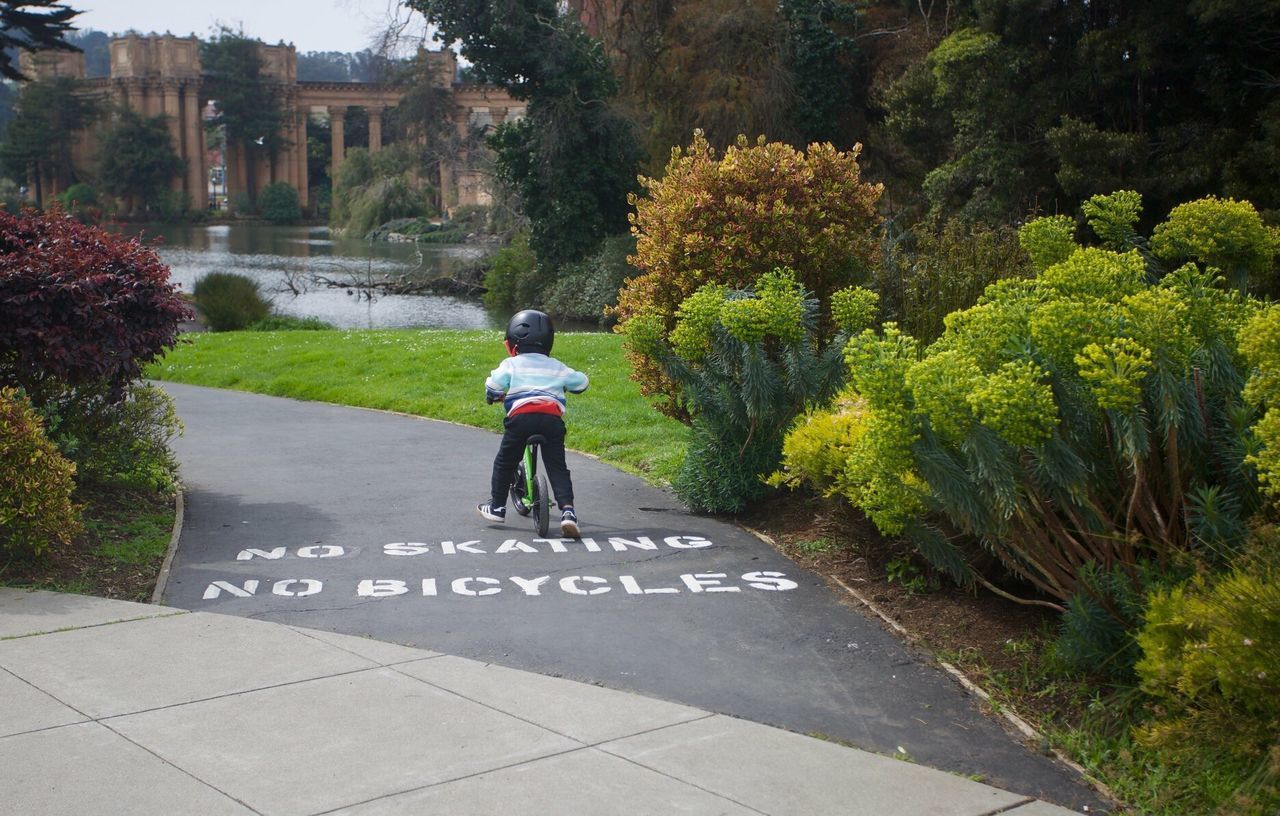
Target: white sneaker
point(569, 524)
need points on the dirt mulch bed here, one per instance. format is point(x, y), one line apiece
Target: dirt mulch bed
point(102, 560)
point(979, 632)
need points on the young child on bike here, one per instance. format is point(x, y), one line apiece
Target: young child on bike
point(532, 386)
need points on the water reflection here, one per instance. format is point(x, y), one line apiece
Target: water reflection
point(289, 264)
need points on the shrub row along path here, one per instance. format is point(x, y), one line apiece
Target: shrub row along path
point(364, 523)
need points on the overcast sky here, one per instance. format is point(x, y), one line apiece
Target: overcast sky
point(311, 25)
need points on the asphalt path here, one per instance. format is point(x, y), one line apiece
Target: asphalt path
point(364, 523)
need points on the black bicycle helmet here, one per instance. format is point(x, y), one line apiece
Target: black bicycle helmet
point(531, 331)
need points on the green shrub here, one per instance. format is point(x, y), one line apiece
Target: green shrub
point(510, 273)
point(278, 203)
point(1260, 345)
point(586, 289)
point(1082, 426)
point(746, 363)
point(129, 445)
point(817, 447)
point(933, 271)
point(1225, 234)
point(171, 206)
point(229, 302)
point(36, 483)
point(81, 201)
point(730, 219)
point(242, 204)
point(1211, 662)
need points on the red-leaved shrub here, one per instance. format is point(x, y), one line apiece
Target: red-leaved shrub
point(79, 306)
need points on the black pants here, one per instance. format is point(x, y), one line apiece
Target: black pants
point(517, 431)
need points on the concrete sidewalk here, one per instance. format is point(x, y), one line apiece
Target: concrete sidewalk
point(116, 707)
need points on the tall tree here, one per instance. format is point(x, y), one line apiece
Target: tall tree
point(249, 104)
point(32, 25)
point(822, 56)
point(136, 159)
point(573, 158)
point(1042, 102)
point(38, 142)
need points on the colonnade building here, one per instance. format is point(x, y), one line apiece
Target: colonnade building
point(161, 75)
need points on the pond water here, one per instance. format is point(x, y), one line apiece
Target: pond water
point(291, 265)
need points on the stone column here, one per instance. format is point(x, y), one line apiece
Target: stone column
point(300, 123)
point(375, 129)
point(193, 147)
point(173, 120)
point(337, 126)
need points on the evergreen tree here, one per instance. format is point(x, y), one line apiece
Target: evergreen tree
point(32, 25)
point(249, 104)
point(573, 158)
point(38, 141)
point(136, 159)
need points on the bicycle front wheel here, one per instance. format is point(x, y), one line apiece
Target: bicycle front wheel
point(541, 505)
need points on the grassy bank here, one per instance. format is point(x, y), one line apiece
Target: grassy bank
point(438, 374)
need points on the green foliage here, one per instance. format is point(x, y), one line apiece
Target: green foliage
point(821, 53)
point(1078, 425)
point(584, 290)
point(747, 361)
point(1260, 346)
point(170, 206)
point(136, 158)
point(229, 301)
point(129, 443)
point(375, 188)
point(81, 201)
point(1048, 241)
point(573, 158)
point(1022, 107)
point(278, 203)
point(730, 219)
point(511, 271)
point(36, 483)
point(1225, 234)
point(38, 142)
point(933, 270)
point(1210, 648)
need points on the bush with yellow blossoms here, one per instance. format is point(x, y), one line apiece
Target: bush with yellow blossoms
point(747, 362)
point(1085, 426)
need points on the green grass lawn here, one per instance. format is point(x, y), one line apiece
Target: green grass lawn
point(438, 374)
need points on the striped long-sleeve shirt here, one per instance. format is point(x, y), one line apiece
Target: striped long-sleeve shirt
point(529, 383)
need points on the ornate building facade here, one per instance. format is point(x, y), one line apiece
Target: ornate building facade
point(161, 75)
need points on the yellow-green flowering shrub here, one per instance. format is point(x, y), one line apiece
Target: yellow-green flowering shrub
point(1048, 240)
point(818, 446)
point(747, 362)
point(1222, 233)
point(1260, 345)
point(1211, 663)
point(1079, 425)
point(36, 483)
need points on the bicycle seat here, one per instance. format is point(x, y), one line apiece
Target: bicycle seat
point(536, 439)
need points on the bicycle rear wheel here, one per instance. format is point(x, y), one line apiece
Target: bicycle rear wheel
point(541, 505)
